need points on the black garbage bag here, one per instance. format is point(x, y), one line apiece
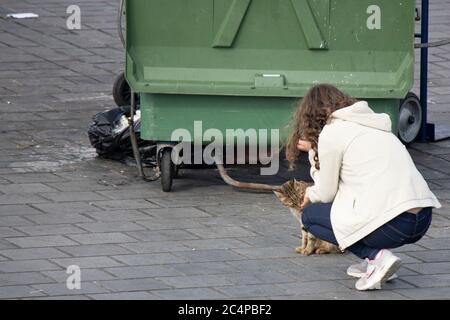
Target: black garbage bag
point(109, 134)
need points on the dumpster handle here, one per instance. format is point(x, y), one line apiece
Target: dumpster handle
point(439, 43)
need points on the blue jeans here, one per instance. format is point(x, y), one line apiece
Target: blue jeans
point(404, 229)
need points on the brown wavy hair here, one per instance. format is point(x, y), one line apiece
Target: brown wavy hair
point(311, 116)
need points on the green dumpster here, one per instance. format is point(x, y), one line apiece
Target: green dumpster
point(244, 63)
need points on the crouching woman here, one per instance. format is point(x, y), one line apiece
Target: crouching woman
point(367, 196)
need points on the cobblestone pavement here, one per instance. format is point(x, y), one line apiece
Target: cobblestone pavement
point(60, 205)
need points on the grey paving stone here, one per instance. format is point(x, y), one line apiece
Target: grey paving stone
point(32, 177)
point(203, 268)
point(23, 278)
point(442, 194)
point(270, 252)
point(95, 250)
point(87, 275)
point(441, 293)
point(221, 232)
point(432, 256)
point(66, 207)
point(6, 245)
point(262, 241)
point(79, 185)
point(168, 224)
point(87, 262)
point(241, 209)
point(433, 244)
point(406, 272)
point(20, 199)
point(196, 281)
point(162, 235)
point(340, 295)
point(254, 290)
point(149, 259)
point(102, 238)
point(25, 188)
point(428, 281)
point(244, 278)
point(445, 184)
point(408, 258)
point(42, 230)
point(41, 241)
point(184, 202)
point(190, 294)
point(26, 266)
point(211, 244)
point(72, 196)
point(136, 272)
point(264, 265)
point(208, 255)
point(34, 253)
point(73, 297)
point(136, 295)
point(136, 194)
point(176, 213)
point(157, 246)
point(118, 215)
point(311, 287)
point(60, 289)
point(111, 226)
point(10, 232)
point(125, 204)
point(410, 247)
point(133, 285)
point(18, 292)
point(430, 267)
point(50, 219)
point(439, 232)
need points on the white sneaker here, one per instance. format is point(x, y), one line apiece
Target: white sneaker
point(359, 270)
point(379, 271)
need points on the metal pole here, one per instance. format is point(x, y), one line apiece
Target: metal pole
point(424, 71)
point(134, 143)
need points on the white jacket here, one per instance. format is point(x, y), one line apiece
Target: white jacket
point(366, 172)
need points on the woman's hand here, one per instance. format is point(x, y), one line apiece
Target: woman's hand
point(303, 145)
point(305, 203)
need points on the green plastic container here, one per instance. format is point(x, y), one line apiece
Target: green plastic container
point(243, 63)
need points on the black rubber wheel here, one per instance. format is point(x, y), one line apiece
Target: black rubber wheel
point(121, 91)
point(176, 172)
point(167, 170)
point(409, 118)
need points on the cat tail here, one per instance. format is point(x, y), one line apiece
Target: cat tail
point(244, 185)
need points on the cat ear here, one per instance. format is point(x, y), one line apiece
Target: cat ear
point(279, 195)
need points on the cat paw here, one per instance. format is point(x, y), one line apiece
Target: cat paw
point(322, 251)
point(299, 249)
point(303, 251)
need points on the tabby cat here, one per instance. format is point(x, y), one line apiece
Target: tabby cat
point(291, 195)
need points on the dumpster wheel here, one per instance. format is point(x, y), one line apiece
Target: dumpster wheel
point(167, 168)
point(121, 91)
point(409, 118)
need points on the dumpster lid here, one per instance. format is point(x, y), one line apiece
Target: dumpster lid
point(269, 47)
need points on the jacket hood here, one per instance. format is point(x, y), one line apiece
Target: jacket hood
point(361, 113)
